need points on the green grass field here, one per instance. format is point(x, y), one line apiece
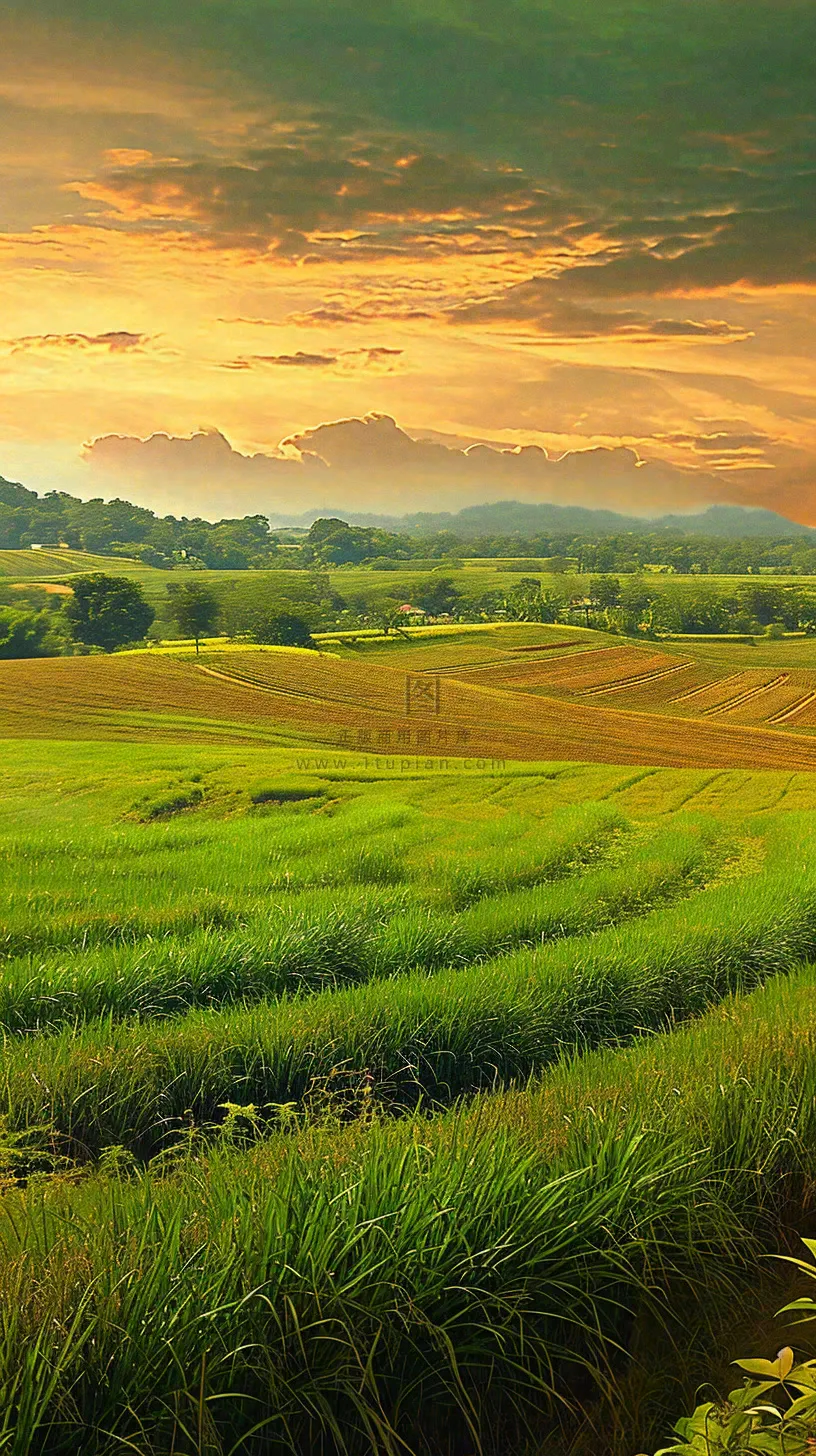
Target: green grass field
point(474, 577)
point(358, 1102)
point(52, 564)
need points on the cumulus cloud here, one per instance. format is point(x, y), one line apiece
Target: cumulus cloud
point(193, 474)
point(206, 449)
point(370, 462)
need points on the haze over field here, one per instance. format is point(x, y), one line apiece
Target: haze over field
point(564, 228)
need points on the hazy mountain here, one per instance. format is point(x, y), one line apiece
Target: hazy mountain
point(497, 518)
point(508, 518)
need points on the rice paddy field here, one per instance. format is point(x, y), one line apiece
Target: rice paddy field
point(406, 1048)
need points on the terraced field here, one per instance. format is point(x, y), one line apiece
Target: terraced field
point(669, 682)
point(278, 695)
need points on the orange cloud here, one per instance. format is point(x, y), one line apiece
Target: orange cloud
point(346, 461)
point(344, 361)
point(116, 341)
point(126, 156)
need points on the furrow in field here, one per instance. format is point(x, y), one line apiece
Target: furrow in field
point(590, 664)
point(748, 695)
point(256, 684)
point(793, 709)
point(717, 685)
point(637, 680)
point(765, 708)
point(658, 694)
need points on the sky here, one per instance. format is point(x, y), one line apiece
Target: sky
point(513, 234)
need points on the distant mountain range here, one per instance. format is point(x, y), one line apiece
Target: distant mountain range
point(518, 518)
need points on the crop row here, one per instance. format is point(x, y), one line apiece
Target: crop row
point(321, 940)
point(133, 883)
point(319, 1290)
point(423, 1038)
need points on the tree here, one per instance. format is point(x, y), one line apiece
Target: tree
point(528, 602)
point(771, 604)
point(26, 634)
point(284, 630)
point(437, 596)
point(604, 591)
point(195, 609)
point(107, 611)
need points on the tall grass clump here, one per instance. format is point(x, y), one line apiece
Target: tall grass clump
point(421, 1039)
point(318, 940)
point(408, 1285)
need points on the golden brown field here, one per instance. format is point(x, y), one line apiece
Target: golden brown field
point(252, 694)
point(649, 680)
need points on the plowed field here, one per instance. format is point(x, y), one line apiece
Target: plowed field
point(273, 695)
point(649, 681)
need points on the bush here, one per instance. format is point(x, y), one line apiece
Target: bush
point(774, 1414)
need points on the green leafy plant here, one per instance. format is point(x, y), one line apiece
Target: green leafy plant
point(774, 1414)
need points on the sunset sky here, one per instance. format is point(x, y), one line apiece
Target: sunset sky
point(560, 223)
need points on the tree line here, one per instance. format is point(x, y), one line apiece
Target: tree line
point(119, 528)
point(105, 612)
